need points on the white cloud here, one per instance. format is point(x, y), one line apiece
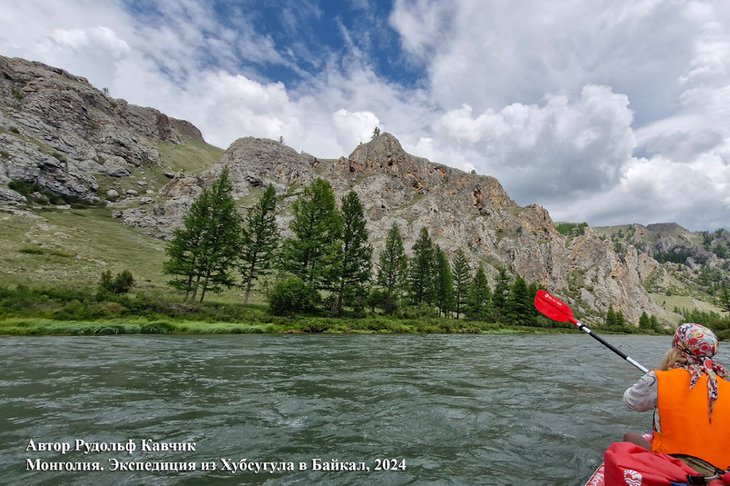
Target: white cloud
point(651, 187)
point(95, 50)
point(237, 105)
point(561, 149)
point(354, 127)
point(601, 111)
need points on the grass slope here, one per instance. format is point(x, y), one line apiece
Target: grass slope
point(71, 248)
point(190, 156)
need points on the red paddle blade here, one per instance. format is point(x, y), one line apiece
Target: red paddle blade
point(553, 308)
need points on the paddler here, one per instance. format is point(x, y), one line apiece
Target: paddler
point(691, 398)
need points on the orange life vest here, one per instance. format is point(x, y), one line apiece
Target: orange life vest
point(685, 426)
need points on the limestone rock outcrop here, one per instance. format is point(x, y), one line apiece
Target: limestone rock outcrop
point(59, 132)
point(461, 210)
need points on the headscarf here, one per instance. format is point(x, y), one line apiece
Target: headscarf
point(698, 344)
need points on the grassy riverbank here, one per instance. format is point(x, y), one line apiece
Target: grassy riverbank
point(371, 325)
point(58, 311)
point(62, 311)
point(54, 311)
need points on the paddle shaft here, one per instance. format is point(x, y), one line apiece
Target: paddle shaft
point(610, 346)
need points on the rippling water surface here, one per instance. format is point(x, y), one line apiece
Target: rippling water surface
point(459, 409)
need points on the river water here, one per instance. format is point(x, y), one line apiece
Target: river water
point(435, 409)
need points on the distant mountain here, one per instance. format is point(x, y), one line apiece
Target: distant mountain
point(692, 263)
point(61, 136)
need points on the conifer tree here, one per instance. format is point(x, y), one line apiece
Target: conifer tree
point(259, 240)
point(313, 252)
point(480, 295)
point(106, 282)
point(123, 282)
point(462, 274)
point(443, 282)
point(519, 302)
point(644, 321)
point(500, 297)
point(184, 249)
point(610, 317)
point(355, 260)
point(221, 239)
point(420, 270)
point(392, 268)
point(615, 318)
point(204, 249)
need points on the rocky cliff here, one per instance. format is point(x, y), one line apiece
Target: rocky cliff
point(461, 210)
point(59, 133)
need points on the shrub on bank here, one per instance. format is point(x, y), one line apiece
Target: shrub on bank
point(290, 296)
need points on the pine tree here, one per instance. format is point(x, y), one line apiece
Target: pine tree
point(221, 239)
point(355, 261)
point(610, 317)
point(313, 252)
point(644, 321)
point(392, 268)
point(462, 274)
point(123, 282)
point(420, 270)
point(443, 282)
point(106, 282)
point(519, 302)
point(204, 249)
point(500, 297)
point(615, 318)
point(480, 296)
point(185, 247)
point(531, 291)
point(259, 240)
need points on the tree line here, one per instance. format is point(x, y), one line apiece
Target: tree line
point(327, 261)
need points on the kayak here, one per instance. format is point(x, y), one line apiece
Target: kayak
point(597, 479)
point(598, 476)
point(630, 464)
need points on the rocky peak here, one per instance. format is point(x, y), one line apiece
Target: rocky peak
point(256, 162)
point(460, 210)
point(665, 228)
point(384, 149)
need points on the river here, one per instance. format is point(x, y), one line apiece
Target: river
point(433, 409)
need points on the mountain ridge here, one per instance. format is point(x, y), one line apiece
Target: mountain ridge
point(59, 133)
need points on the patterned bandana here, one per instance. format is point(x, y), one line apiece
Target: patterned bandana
point(698, 344)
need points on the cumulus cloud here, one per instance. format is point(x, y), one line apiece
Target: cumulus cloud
point(561, 148)
point(491, 54)
point(354, 127)
point(237, 106)
point(603, 112)
point(95, 50)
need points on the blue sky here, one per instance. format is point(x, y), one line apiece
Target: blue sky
point(605, 111)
